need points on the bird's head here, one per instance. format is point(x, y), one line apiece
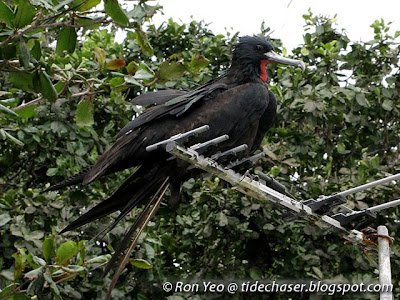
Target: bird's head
point(252, 53)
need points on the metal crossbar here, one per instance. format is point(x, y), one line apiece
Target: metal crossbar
point(253, 188)
point(267, 189)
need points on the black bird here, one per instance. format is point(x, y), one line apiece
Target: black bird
point(238, 104)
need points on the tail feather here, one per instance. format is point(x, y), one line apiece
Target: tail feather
point(140, 220)
point(74, 179)
point(135, 189)
point(144, 189)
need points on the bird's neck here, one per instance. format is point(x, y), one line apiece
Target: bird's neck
point(242, 72)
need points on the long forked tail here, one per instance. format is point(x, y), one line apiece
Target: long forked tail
point(136, 189)
point(141, 222)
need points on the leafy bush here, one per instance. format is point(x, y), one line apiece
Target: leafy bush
point(65, 83)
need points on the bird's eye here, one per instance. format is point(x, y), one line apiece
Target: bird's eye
point(259, 47)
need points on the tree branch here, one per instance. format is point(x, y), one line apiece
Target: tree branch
point(37, 25)
point(76, 95)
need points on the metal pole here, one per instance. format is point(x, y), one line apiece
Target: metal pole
point(385, 273)
point(368, 185)
point(383, 206)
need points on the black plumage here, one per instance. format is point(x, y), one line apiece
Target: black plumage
point(238, 104)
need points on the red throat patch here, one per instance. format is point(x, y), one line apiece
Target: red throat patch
point(263, 71)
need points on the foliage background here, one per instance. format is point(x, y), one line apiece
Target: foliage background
point(64, 91)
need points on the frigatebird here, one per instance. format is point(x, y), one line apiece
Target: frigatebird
point(238, 103)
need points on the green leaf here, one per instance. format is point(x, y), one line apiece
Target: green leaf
point(39, 261)
point(49, 247)
point(132, 67)
point(310, 106)
point(34, 235)
point(13, 139)
point(3, 134)
point(223, 220)
point(149, 251)
point(82, 252)
point(318, 272)
point(74, 269)
point(27, 112)
point(60, 5)
point(19, 262)
point(269, 226)
point(36, 51)
point(4, 219)
point(6, 293)
point(84, 5)
point(58, 273)
point(5, 94)
point(100, 56)
point(46, 87)
point(58, 127)
point(116, 81)
point(6, 14)
point(143, 42)
point(36, 286)
point(66, 40)
point(198, 62)
point(138, 12)
point(304, 51)
point(170, 71)
point(255, 273)
point(361, 100)
point(341, 148)
point(24, 55)
point(24, 14)
point(114, 10)
point(84, 113)
point(115, 64)
point(34, 273)
point(131, 80)
point(387, 105)
point(31, 261)
point(7, 111)
point(320, 29)
point(66, 251)
point(142, 74)
point(23, 81)
point(141, 264)
point(59, 86)
point(307, 90)
point(99, 259)
point(8, 51)
point(51, 171)
point(53, 286)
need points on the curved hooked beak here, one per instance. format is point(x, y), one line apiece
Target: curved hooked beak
point(275, 57)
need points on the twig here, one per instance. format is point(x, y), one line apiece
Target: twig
point(37, 25)
point(28, 104)
point(154, 81)
point(76, 95)
point(72, 275)
point(68, 24)
point(88, 92)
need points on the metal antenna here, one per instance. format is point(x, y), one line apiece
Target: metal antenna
point(368, 185)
